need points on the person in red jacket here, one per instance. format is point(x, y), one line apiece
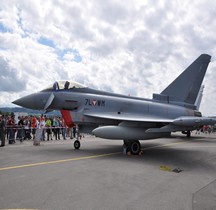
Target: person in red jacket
point(34, 126)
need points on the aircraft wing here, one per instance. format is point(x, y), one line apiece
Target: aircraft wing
point(127, 117)
point(170, 125)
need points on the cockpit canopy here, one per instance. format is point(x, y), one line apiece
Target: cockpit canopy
point(63, 85)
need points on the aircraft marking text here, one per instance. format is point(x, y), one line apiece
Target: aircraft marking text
point(90, 102)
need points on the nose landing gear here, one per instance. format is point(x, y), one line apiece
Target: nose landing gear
point(77, 144)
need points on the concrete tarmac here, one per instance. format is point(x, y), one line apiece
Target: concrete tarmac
point(173, 173)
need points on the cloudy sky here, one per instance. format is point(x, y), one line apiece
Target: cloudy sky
point(131, 47)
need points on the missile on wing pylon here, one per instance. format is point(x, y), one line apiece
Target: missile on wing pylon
point(199, 121)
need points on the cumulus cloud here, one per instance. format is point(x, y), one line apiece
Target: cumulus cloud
point(10, 78)
point(130, 47)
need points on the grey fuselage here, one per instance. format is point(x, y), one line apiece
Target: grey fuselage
point(84, 100)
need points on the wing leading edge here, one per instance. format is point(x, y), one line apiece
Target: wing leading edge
point(127, 117)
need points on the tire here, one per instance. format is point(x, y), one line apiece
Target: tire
point(135, 147)
point(77, 144)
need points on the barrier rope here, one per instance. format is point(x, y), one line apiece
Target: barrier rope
point(23, 127)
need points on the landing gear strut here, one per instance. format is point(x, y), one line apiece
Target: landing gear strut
point(188, 133)
point(132, 146)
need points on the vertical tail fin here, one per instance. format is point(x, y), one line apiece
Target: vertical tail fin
point(185, 88)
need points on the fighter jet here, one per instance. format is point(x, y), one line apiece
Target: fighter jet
point(120, 117)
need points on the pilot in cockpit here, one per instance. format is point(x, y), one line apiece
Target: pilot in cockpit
point(66, 85)
point(56, 86)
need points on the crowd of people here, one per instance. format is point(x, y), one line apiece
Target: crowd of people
point(43, 128)
point(31, 127)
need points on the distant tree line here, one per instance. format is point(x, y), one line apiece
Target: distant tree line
point(6, 113)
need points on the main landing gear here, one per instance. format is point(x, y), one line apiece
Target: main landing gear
point(132, 146)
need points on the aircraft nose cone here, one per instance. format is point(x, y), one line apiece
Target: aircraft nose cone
point(26, 101)
point(36, 101)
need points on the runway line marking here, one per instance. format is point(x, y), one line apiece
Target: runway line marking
point(59, 161)
point(82, 158)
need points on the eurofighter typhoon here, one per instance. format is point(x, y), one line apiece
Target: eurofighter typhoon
point(120, 117)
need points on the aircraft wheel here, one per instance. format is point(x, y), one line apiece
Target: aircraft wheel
point(135, 147)
point(77, 144)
